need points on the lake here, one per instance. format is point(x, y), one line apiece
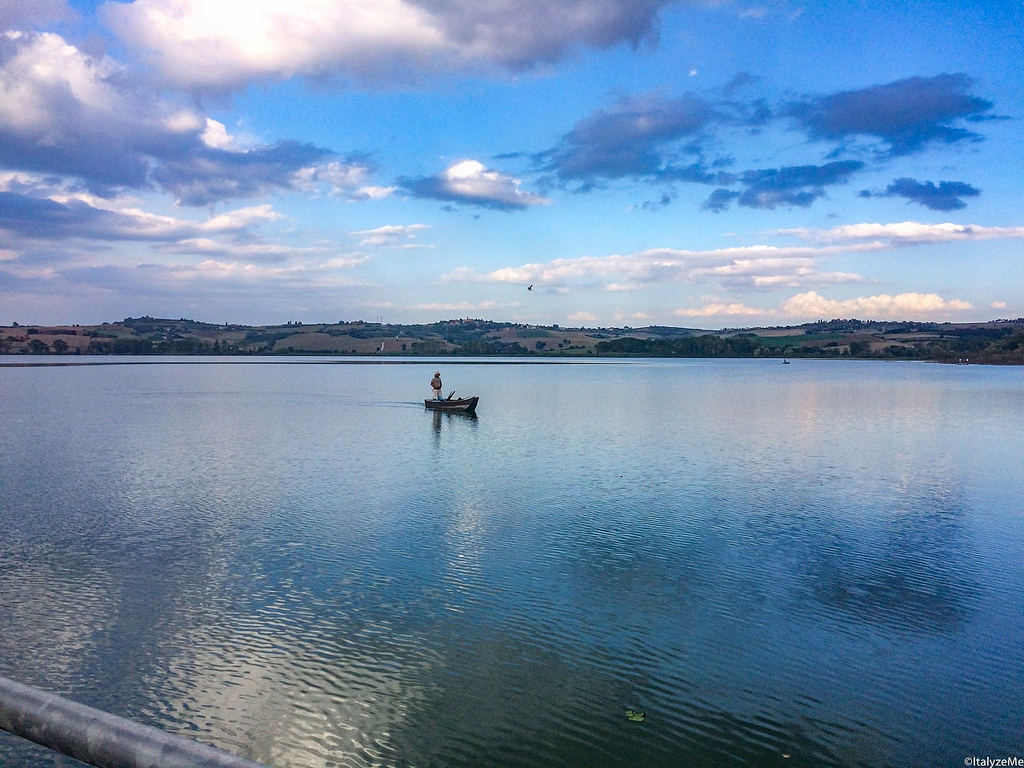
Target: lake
point(815, 564)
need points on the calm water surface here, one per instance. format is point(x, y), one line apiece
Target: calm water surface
point(805, 565)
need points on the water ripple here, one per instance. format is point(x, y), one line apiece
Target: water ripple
point(296, 564)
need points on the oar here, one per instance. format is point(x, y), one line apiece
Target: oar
point(451, 395)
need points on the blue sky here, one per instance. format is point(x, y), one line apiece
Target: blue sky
point(703, 164)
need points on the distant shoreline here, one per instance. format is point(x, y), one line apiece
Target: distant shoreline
point(294, 360)
point(992, 342)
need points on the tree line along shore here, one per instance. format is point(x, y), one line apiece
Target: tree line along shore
point(993, 342)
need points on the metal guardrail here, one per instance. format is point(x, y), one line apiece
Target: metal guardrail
point(100, 738)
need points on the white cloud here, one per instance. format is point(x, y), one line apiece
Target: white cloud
point(224, 44)
point(398, 235)
point(718, 309)
point(128, 222)
point(247, 252)
point(903, 306)
point(470, 181)
point(346, 261)
point(216, 135)
point(215, 269)
point(624, 318)
point(43, 71)
point(241, 217)
point(998, 305)
point(342, 175)
point(906, 233)
point(764, 267)
point(65, 112)
point(301, 273)
point(231, 237)
point(186, 121)
point(769, 272)
point(372, 193)
point(754, 266)
point(56, 215)
point(582, 318)
point(342, 178)
point(811, 305)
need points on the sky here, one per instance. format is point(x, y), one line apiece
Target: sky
point(699, 163)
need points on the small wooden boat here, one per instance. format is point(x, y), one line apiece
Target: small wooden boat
point(467, 404)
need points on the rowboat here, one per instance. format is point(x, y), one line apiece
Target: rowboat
point(467, 404)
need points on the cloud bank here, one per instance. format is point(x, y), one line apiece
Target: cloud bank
point(665, 140)
point(905, 115)
point(759, 267)
point(904, 306)
point(66, 112)
point(632, 138)
point(812, 306)
point(944, 196)
point(224, 45)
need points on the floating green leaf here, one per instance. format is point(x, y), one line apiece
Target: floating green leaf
point(636, 717)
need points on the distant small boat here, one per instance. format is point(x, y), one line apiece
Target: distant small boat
point(467, 404)
point(785, 362)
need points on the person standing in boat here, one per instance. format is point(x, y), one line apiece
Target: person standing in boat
point(435, 384)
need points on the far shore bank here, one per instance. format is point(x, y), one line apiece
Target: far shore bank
point(993, 342)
